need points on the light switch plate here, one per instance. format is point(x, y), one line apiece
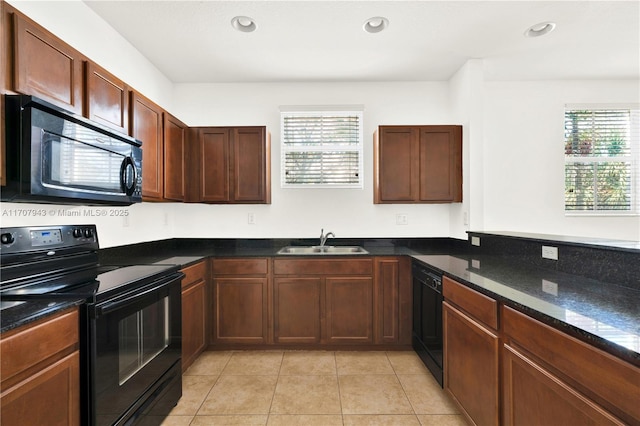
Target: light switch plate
point(402, 219)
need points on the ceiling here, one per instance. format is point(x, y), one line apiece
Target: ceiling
point(305, 41)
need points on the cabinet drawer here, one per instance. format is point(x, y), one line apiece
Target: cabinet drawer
point(603, 377)
point(478, 305)
point(323, 266)
point(194, 273)
point(37, 342)
point(253, 266)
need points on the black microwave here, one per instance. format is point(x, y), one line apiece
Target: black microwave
point(55, 156)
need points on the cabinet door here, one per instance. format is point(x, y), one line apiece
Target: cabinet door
point(471, 365)
point(51, 396)
point(297, 310)
point(214, 158)
point(193, 322)
point(397, 158)
point(533, 396)
point(146, 125)
point(107, 98)
point(175, 136)
point(349, 310)
point(46, 67)
point(441, 163)
point(393, 305)
point(240, 310)
point(250, 169)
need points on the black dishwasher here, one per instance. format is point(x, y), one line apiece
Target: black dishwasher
point(427, 317)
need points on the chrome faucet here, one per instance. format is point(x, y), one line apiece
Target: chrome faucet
point(324, 237)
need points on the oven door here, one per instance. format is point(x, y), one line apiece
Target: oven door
point(135, 353)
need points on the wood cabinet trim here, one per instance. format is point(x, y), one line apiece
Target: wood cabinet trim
point(195, 273)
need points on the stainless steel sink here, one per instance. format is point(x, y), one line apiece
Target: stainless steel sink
point(320, 250)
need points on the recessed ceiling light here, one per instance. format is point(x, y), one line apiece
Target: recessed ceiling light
point(244, 24)
point(540, 29)
point(375, 24)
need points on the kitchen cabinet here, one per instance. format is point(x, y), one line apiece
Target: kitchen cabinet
point(107, 98)
point(239, 301)
point(471, 347)
point(550, 377)
point(46, 67)
point(146, 125)
point(194, 310)
point(234, 165)
point(325, 301)
point(418, 164)
point(175, 158)
point(41, 372)
point(392, 277)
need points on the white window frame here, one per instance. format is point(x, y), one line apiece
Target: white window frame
point(633, 159)
point(288, 111)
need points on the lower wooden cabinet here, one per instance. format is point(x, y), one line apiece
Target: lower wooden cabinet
point(551, 377)
point(239, 298)
point(323, 301)
point(471, 346)
point(41, 372)
point(392, 300)
point(194, 312)
point(297, 306)
point(471, 372)
point(534, 396)
point(349, 310)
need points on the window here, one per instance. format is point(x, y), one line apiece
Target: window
point(602, 160)
point(322, 149)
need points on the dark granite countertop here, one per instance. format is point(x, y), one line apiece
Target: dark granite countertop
point(604, 314)
point(601, 313)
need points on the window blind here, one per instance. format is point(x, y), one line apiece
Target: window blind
point(322, 149)
point(602, 165)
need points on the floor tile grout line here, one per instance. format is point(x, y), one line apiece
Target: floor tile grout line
point(275, 388)
point(404, 391)
point(214, 385)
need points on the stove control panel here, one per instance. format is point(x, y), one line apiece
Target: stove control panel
point(29, 238)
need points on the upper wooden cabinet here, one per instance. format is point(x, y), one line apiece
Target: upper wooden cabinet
point(107, 98)
point(146, 125)
point(234, 165)
point(175, 158)
point(418, 164)
point(46, 67)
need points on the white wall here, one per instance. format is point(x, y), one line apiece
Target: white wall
point(302, 212)
point(513, 175)
point(523, 157)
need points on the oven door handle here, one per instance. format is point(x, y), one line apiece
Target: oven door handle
point(122, 302)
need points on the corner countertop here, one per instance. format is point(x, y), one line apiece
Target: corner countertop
point(603, 314)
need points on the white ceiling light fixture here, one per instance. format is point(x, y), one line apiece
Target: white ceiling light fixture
point(540, 29)
point(375, 24)
point(244, 24)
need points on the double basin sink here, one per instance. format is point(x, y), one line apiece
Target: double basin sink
point(322, 250)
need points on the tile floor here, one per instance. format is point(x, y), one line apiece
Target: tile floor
point(311, 388)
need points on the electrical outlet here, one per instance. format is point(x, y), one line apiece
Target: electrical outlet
point(402, 219)
point(465, 218)
point(251, 219)
point(550, 287)
point(550, 252)
point(125, 221)
point(475, 241)
point(475, 263)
